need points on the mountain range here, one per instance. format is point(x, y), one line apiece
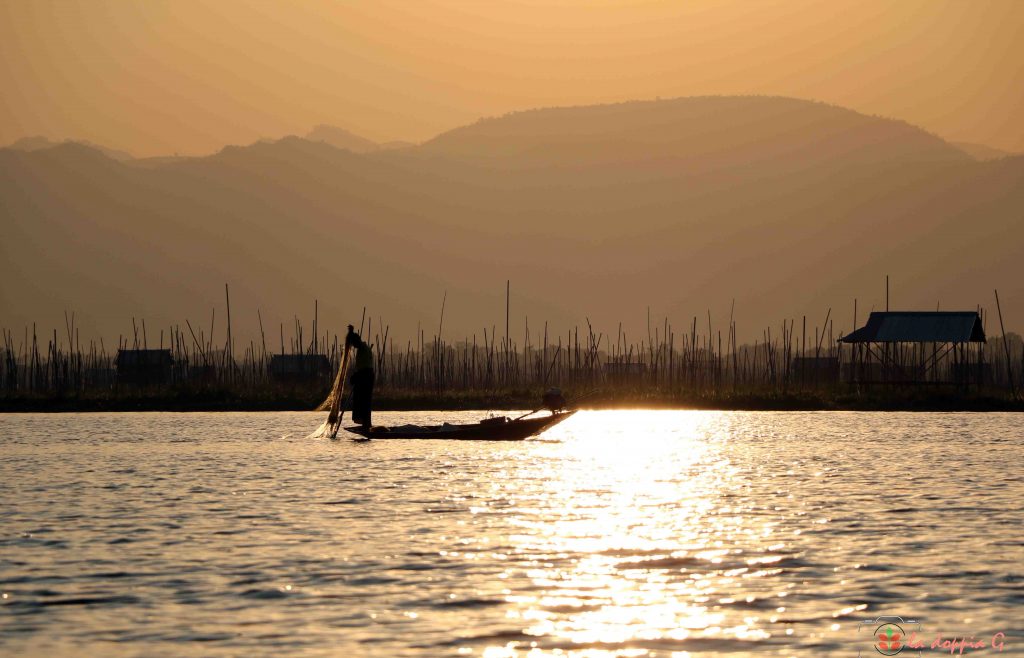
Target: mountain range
point(762, 207)
point(38, 143)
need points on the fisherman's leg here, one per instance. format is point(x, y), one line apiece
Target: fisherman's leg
point(357, 397)
point(362, 389)
point(370, 380)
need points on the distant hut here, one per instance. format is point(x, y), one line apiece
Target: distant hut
point(144, 367)
point(918, 347)
point(297, 368)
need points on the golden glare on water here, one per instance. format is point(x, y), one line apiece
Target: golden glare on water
point(650, 525)
point(617, 533)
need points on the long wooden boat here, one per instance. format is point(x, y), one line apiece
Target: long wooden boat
point(491, 429)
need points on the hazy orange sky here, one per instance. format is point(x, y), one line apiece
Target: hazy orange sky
point(165, 76)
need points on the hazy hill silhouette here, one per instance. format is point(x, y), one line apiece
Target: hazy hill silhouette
point(982, 152)
point(397, 144)
point(32, 143)
point(785, 206)
point(39, 142)
point(710, 131)
point(342, 139)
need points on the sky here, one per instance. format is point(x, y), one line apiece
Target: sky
point(184, 76)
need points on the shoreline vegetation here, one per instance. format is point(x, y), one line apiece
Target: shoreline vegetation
point(511, 400)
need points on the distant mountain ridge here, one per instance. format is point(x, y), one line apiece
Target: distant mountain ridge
point(342, 139)
point(517, 133)
point(785, 206)
point(733, 127)
point(336, 137)
point(38, 142)
point(983, 152)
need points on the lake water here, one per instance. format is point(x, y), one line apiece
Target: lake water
point(617, 533)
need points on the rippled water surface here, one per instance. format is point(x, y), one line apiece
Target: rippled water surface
point(615, 534)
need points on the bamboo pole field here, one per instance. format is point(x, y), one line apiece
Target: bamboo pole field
point(788, 358)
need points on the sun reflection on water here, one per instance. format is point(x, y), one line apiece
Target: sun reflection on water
point(635, 533)
point(638, 543)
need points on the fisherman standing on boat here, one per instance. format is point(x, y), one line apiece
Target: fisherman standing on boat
point(362, 378)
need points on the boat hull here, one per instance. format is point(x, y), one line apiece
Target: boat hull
point(513, 430)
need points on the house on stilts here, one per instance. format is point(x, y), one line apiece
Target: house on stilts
point(918, 348)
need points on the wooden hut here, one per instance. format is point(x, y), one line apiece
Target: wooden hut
point(918, 347)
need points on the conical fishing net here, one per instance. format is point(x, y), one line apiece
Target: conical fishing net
point(334, 404)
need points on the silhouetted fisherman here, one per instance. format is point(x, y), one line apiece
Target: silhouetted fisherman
point(362, 378)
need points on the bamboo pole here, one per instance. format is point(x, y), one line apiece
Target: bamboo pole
point(1006, 348)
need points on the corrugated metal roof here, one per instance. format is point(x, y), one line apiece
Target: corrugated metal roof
point(919, 327)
